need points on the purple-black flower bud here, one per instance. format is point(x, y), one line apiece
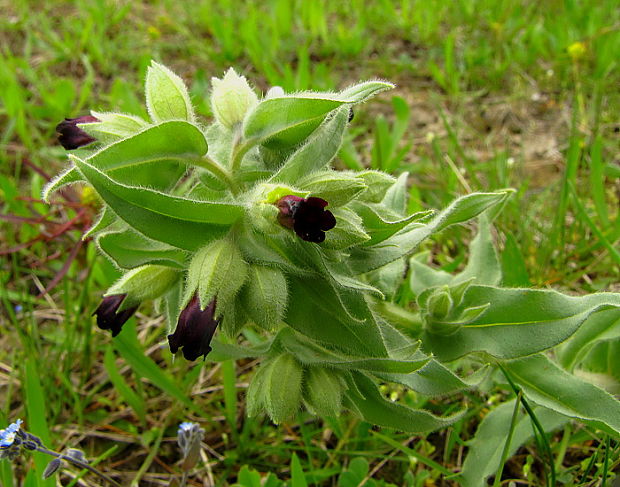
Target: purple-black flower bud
point(194, 331)
point(108, 316)
point(307, 216)
point(71, 136)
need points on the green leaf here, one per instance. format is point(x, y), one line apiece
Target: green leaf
point(287, 121)
point(113, 126)
point(517, 322)
point(313, 303)
point(155, 157)
point(68, 176)
point(181, 222)
point(106, 219)
point(298, 479)
point(363, 91)
point(485, 449)
point(396, 196)
point(129, 249)
point(548, 385)
point(483, 266)
point(406, 241)
point(364, 398)
point(317, 152)
point(166, 95)
point(36, 407)
point(599, 327)
point(435, 379)
point(310, 353)
point(120, 384)
point(380, 222)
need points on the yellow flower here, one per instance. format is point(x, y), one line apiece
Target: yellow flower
point(576, 50)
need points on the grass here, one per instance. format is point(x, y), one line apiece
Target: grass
point(490, 94)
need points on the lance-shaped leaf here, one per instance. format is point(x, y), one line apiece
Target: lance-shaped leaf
point(406, 241)
point(180, 222)
point(281, 123)
point(68, 176)
point(483, 266)
point(106, 219)
point(599, 327)
point(315, 310)
point(435, 379)
point(311, 353)
point(550, 386)
point(380, 222)
point(155, 157)
point(166, 95)
point(129, 249)
point(485, 449)
point(517, 322)
point(363, 91)
point(363, 397)
point(317, 153)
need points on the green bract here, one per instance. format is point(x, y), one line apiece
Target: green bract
point(241, 213)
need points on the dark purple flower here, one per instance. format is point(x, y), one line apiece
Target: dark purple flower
point(108, 316)
point(306, 216)
point(71, 136)
point(195, 330)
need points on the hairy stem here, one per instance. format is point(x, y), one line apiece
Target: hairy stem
point(79, 464)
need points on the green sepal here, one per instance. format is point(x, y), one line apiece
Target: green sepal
point(113, 126)
point(348, 232)
point(264, 296)
point(216, 271)
point(335, 187)
point(144, 283)
point(277, 388)
point(377, 183)
point(323, 391)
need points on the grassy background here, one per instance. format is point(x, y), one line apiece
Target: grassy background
point(490, 94)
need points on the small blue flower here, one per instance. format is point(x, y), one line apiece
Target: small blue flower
point(7, 436)
point(186, 427)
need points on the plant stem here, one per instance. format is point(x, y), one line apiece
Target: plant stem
point(536, 423)
point(239, 151)
point(221, 173)
point(513, 424)
point(78, 463)
point(184, 479)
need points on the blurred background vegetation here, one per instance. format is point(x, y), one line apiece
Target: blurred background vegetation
point(490, 94)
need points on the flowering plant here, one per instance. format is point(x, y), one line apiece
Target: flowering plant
point(244, 223)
